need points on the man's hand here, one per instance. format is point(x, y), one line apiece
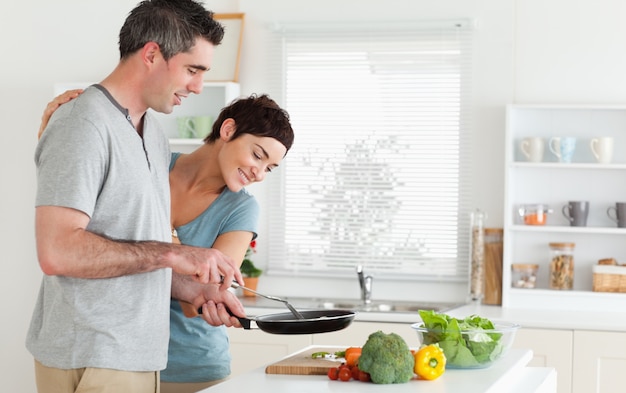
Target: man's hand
point(214, 302)
point(205, 266)
point(216, 314)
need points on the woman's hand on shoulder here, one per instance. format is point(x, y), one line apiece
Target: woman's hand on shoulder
point(53, 105)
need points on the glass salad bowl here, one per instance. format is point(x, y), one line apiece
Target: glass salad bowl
point(468, 347)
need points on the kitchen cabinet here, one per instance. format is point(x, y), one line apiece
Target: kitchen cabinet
point(214, 97)
point(585, 361)
point(599, 362)
point(254, 348)
point(551, 348)
point(554, 183)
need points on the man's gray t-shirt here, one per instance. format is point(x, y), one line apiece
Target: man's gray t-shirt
point(91, 158)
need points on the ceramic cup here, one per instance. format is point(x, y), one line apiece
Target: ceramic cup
point(532, 148)
point(617, 213)
point(563, 148)
point(194, 126)
point(202, 126)
point(576, 213)
point(602, 149)
point(185, 127)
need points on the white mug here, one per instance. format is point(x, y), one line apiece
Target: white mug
point(532, 148)
point(602, 149)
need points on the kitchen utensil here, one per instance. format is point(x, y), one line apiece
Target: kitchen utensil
point(313, 321)
point(289, 306)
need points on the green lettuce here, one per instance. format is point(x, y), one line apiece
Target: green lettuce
point(473, 348)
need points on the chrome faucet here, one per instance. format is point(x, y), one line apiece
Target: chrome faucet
point(365, 282)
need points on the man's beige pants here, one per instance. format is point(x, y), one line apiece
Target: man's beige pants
point(94, 380)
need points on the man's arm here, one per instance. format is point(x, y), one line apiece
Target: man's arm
point(65, 247)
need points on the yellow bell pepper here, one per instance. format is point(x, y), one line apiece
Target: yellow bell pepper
point(430, 362)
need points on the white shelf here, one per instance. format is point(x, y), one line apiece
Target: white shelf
point(570, 166)
point(554, 184)
point(186, 141)
point(548, 299)
point(565, 229)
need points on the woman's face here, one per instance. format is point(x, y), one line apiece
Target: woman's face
point(248, 159)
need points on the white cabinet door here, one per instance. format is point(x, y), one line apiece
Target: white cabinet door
point(255, 348)
point(551, 348)
point(599, 362)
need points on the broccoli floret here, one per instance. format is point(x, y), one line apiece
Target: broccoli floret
point(387, 358)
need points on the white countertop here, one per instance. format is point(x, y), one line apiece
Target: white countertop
point(544, 319)
point(509, 374)
point(549, 319)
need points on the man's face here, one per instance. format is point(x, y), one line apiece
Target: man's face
point(181, 75)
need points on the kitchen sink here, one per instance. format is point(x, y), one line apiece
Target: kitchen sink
point(374, 306)
point(387, 306)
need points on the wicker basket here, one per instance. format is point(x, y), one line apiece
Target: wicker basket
point(609, 278)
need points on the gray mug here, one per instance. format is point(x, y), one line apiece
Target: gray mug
point(576, 213)
point(620, 214)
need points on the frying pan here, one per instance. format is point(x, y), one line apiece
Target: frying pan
point(314, 321)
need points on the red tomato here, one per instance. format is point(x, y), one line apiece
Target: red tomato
point(345, 374)
point(364, 377)
point(355, 372)
point(333, 373)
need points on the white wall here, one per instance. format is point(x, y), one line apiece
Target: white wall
point(527, 51)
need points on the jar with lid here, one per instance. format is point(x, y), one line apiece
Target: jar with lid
point(562, 265)
point(477, 254)
point(524, 275)
point(493, 266)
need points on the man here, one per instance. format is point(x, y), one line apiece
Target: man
point(102, 218)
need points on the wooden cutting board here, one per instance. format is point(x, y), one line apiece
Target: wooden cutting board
point(303, 364)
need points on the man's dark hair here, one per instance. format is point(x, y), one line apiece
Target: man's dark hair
point(174, 25)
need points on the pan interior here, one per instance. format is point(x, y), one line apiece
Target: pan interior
point(315, 321)
point(309, 316)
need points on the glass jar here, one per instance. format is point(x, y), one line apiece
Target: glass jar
point(536, 214)
point(562, 265)
point(523, 275)
point(477, 254)
point(493, 266)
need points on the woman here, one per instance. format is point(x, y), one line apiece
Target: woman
point(211, 208)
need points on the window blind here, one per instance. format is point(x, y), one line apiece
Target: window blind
point(379, 171)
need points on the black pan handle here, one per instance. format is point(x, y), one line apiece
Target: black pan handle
point(245, 322)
